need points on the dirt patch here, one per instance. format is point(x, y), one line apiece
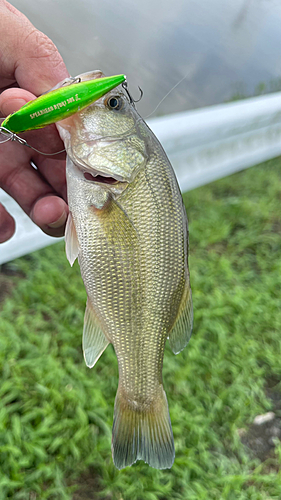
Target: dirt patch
point(11, 269)
point(260, 438)
point(276, 226)
point(262, 435)
point(88, 486)
point(5, 287)
point(9, 273)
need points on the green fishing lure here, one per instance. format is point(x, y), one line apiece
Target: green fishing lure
point(59, 104)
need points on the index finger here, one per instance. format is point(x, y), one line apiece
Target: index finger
point(26, 54)
point(39, 195)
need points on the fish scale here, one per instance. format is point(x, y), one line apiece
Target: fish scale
point(131, 240)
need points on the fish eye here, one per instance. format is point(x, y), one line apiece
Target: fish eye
point(115, 102)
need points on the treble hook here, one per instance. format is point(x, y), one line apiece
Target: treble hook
point(132, 101)
point(75, 79)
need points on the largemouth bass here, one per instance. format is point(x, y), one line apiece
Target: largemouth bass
point(128, 228)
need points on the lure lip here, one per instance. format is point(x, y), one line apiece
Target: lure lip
point(60, 103)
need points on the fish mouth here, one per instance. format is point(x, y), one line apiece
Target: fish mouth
point(100, 178)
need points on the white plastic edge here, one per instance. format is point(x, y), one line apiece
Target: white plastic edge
point(203, 145)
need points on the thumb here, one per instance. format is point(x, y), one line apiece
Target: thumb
point(31, 58)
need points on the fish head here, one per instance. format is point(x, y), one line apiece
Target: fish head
point(106, 140)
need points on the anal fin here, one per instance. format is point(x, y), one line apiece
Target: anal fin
point(180, 333)
point(94, 340)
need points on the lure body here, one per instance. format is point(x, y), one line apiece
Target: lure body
point(60, 103)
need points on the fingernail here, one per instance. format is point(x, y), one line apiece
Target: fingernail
point(60, 222)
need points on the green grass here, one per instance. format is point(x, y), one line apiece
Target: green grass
point(56, 415)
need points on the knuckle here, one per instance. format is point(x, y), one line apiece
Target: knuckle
point(10, 177)
point(41, 47)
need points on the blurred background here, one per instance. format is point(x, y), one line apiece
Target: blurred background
point(221, 48)
point(224, 389)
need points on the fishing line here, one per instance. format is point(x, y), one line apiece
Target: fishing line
point(171, 90)
point(14, 137)
point(41, 152)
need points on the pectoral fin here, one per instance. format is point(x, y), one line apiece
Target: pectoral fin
point(71, 241)
point(94, 340)
point(181, 331)
point(116, 223)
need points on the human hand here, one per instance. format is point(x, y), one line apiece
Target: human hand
point(30, 64)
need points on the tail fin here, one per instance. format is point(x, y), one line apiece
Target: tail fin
point(142, 435)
